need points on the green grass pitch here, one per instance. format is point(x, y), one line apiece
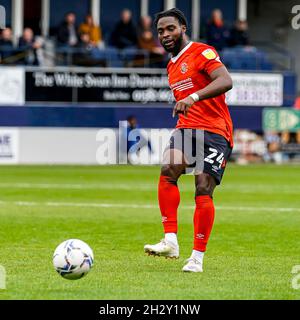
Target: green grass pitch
point(254, 244)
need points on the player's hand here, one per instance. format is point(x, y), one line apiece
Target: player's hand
point(183, 106)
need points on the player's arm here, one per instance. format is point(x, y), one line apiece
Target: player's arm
point(221, 83)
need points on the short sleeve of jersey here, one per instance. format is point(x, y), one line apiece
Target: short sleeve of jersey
point(208, 59)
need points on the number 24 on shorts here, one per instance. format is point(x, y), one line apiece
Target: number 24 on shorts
point(213, 156)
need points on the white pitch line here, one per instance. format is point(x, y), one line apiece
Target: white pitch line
point(77, 186)
point(137, 206)
point(246, 189)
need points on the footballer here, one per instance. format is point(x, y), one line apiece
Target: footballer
point(199, 81)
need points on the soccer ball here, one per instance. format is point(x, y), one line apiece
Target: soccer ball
point(73, 259)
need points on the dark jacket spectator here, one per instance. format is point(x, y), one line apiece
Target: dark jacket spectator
point(28, 46)
point(239, 34)
point(217, 34)
point(124, 35)
point(67, 32)
point(6, 45)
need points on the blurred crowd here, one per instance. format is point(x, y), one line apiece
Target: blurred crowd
point(88, 43)
point(220, 36)
point(270, 146)
point(24, 52)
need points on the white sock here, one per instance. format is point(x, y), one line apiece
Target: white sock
point(198, 255)
point(171, 237)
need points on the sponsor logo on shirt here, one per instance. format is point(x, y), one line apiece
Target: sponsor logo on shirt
point(182, 85)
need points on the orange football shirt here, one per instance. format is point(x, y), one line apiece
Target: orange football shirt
point(189, 72)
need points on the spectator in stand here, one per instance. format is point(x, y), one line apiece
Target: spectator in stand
point(273, 148)
point(87, 54)
point(297, 107)
point(124, 34)
point(67, 32)
point(93, 30)
point(147, 41)
point(239, 34)
point(145, 24)
point(29, 46)
point(6, 45)
point(136, 140)
point(217, 34)
point(289, 141)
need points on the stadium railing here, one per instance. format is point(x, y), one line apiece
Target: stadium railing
point(70, 56)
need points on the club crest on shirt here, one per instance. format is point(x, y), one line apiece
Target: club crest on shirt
point(184, 67)
point(209, 54)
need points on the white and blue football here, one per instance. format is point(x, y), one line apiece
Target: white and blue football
point(73, 259)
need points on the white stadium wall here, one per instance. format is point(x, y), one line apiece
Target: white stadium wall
point(73, 146)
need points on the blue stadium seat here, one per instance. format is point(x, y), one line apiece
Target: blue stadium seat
point(245, 58)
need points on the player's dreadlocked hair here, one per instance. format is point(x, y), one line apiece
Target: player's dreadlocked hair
point(174, 12)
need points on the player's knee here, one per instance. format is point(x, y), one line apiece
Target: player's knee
point(172, 171)
point(204, 187)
